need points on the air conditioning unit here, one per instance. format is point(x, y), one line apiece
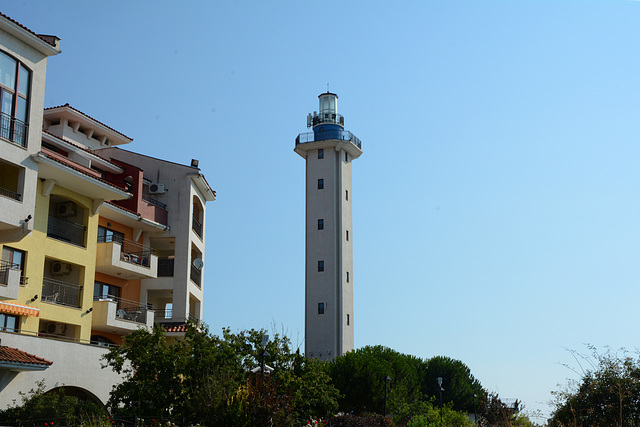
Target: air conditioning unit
point(58, 268)
point(66, 209)
point(157, 188)
point(53, 328)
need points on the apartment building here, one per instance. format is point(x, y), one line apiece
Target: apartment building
point(97, 241)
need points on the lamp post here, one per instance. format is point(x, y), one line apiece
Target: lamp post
point(264, 353)
point(441, 390)
point(475, 414)
point(386, 381)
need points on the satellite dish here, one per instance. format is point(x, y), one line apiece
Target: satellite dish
point(198, 263)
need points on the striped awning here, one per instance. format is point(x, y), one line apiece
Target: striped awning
point(21, 310)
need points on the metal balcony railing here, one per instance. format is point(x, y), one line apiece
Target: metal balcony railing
point(196, 275)
point(160, 314)
point(343, 135)
point(13, 129)
point(196, 226)
point(131, 252)
point(133, 311)
point(165, 267)
point(67, 231)
point(10, 194)
point(59, 292)
point(5, 266)
point(154, 202)
point(328, 118)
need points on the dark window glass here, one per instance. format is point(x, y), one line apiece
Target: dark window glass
point(347, 235)
point(321, 153)
point(104, 290)
point(347, 320)
point(320, 184)
point(347, 194)
point(108, 235)
point(346, 157)
point(320, 308)
point(14, 96)
point(320, 265)
point(321, 224)
point(347, 277)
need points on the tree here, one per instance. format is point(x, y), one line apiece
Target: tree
point(458, 383)
point(207, 379)
point(607, 393)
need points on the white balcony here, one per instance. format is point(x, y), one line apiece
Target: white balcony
point(119, 316)
point(9, 280)
point(126, 260)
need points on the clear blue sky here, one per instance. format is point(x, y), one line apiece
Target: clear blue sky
point(496, 205)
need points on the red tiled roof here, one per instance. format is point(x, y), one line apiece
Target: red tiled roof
point(89, 117)
point(13, 355)
point(123, 188)
point(80, 147)
point(25, 28)
point(175, 327)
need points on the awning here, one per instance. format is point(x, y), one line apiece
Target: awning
point(22, 310)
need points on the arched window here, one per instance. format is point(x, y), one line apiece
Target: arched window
point(15, 81)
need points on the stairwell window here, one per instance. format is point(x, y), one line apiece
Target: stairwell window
point(346, 193)
point(321, 153)
point(320, 184)
point(320, 265)
point(14, 98)
point(320, 308)
point(321, 224)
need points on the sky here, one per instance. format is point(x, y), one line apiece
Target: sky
point(495, 207)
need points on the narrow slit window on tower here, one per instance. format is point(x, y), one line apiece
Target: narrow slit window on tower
point(347, 235)
point(321, 224)
point(348, 319)
point(321, 153)
point(346, 156)
point(320, 184)
point(346, 192)
point(320, 308)
point(320, 265)
point(347, 277)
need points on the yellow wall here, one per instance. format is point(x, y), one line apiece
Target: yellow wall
point(38, 246)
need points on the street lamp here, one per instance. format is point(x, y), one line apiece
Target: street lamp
point(441, 390)
point(264, 353)
point(386, 381)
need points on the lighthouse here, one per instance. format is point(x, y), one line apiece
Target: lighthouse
point(328, 152)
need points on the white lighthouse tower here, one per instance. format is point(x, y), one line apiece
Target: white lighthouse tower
point(328, 151)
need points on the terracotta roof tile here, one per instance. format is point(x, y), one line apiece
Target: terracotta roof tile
point(175, 327)
point(87, 116)
point(13, 355)
point(25, 28)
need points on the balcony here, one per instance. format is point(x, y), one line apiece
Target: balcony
point(67, 231)
point(10, 194)
point(196, 275)
point(165, 267)
point(62, 293)
point(126, 259)
point(13, 129)
point(196, 226)
point(153, 209)
point(118, 315)
point(10, 280)
point(342, 135)
point(161, 315)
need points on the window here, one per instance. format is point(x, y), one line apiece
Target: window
point(8, 322)
point(320, 184)
point(320, 153)
point(320, 265)
point(346, 192)
point(347, 235)
point(14, 95)
point(105, 290)
point(348, 320)
point(108, 235)
point(321, 224)
point(320, 308)
point(347, 277)
point(346, 156)
point(13, 256)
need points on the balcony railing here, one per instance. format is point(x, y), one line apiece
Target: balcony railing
point(165, 267)
point(154, 202)
point(343, 135)
point(196, 275)
point(59, 292)
point(328, 118)
point(5, 266)
point(10, 194)
point(161, 314)
point(196, 226)
point(13, 129)
point(131, 252)
point(126, 309)
point(66, 231)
